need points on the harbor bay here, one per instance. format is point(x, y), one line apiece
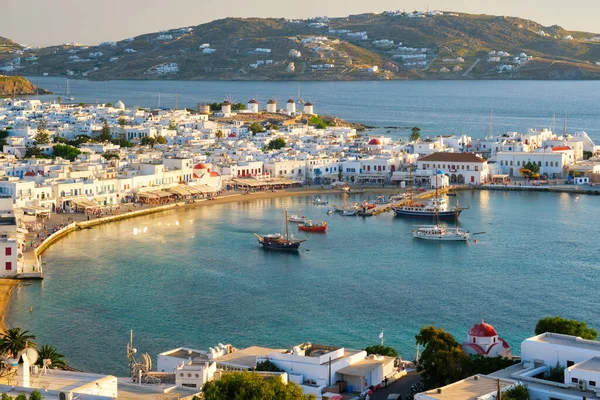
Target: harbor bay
point(196, 277)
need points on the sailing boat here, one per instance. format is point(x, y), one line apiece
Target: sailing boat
point(436, 207)
point(68, 94)
point(278, 241)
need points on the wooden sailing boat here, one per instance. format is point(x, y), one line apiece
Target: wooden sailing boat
point(278, 241)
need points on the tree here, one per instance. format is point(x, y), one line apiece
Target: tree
point(109, 156)
point(518, 392)
point(256, 127)
point(35, 395)
point(41, 136)
point(251, 386)
point(276, 144)
point(267, 366)
point(65, 151)
point(219, 134)
point(443, 360)
point(148, 141)
point(415, 134)
point(381, 350)
point(14, 341)
point(105, 135)
point(161, 140)
point(533, 167)
point(50, 353)
point(34, 151)
point(566, 327)
point(172, 125)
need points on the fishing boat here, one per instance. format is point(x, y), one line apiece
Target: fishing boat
point(341, 209)
point(349, 213)
point(278, 241)
point(297, 218)
point(319, 202)
point(310, 226)
point(436, 207)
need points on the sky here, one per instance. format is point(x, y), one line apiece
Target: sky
point(49, 22)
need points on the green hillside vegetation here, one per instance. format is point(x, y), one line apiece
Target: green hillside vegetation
point(341, 57)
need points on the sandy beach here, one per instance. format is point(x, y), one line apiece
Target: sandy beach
point(6, 287)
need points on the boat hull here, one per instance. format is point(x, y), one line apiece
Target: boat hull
point(312, 228)
point(280, 246)
point(442, 238)
point(443, 215)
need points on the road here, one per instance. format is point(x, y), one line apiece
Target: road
point(472, 66)
point(401, 386)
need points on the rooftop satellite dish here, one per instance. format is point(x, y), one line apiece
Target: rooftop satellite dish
point(32, 355)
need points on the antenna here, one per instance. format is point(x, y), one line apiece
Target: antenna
point(491, 124)
point(158, 105)
point(566, 121)
point(177, 101)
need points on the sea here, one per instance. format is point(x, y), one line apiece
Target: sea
point(437, 107)
point(197, 277)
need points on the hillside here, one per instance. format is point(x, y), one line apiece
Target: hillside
point(17, 85)
point(8, 45)
point(359, 47)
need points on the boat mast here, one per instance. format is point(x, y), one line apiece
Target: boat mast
point(410, 182)
point(286, 226)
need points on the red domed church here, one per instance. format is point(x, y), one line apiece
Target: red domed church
point(483, 339)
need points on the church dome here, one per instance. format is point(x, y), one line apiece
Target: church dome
point(482, 330)
point(374, 142)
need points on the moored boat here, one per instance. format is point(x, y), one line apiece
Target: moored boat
point(441, 233)
point(297, 218)
point(318, 201)
point(310, 226)
point(349, 213)
point(436, 207)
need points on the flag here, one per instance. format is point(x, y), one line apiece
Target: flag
point(381, 335)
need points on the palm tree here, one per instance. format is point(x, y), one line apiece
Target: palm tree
point(47, 352)
point(14, 341)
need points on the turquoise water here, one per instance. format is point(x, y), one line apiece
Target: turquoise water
point(438, 107)
point(197, 277)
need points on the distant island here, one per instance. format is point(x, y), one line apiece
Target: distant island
point(388, 46)
point(18, 86)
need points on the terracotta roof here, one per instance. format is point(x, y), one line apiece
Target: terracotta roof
point(561, 148)
point(453, 157)
point(200, 166)
point(482, 330)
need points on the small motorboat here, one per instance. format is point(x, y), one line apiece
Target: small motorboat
point(310, 226)
point(329, 212)
point(297, 218)
point(319, 202)
point(348, 213)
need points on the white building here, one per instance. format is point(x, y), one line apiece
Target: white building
point(460, 167)
point(549, 163)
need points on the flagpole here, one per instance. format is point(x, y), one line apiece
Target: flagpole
point(382, 339)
